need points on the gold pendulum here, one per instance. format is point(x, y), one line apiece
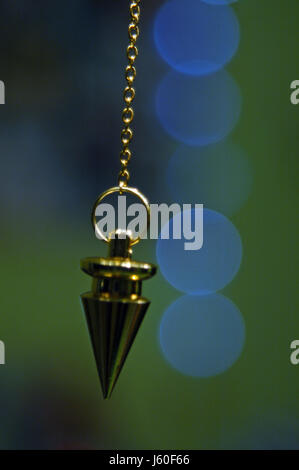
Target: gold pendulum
point(115, 308)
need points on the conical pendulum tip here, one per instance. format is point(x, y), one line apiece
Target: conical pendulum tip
point(114, 309)
point(113, 325)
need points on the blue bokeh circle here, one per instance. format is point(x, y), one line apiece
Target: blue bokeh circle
point(202, 336)
point(219, 176)
point(194, 37)
point(207, 269)
point(219, 2)
point(198, 110)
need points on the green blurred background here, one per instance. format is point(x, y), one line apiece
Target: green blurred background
point(62, 64)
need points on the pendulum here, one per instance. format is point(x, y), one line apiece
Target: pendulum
point(115, 308)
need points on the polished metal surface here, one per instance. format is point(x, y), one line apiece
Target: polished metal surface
point(115, 308)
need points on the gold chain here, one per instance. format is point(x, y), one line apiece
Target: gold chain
point(129, 94)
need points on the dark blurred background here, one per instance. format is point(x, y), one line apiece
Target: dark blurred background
point(63, 67)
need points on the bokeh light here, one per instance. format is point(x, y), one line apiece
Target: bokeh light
point(194, 37)
point(202, 336)
point(198, 110)
point(219, 2)
point(208, 269)
point(219, 176)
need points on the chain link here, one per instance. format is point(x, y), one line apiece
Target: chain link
point(129, 94)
